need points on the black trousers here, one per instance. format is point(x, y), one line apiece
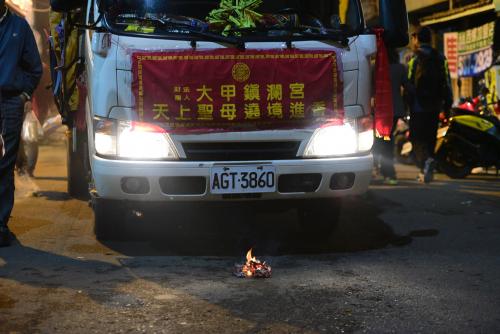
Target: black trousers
point(11, 123)
point(423, 133)
point(383, 154)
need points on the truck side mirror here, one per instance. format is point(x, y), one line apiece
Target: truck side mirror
point(65, 6)
point(394, 20)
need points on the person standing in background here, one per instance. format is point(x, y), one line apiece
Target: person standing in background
point(431, 93)
point(21, 72)
point(384, 147)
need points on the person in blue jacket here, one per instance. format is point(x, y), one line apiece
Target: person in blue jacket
point(20, 73)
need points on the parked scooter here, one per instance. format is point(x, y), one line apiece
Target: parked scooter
point(471, 139)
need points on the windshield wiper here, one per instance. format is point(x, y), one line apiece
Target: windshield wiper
point(172, 24)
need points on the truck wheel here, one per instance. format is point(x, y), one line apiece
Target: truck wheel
point(319, 218)
point(78, 164)
point(109, 219)
point(453, 162)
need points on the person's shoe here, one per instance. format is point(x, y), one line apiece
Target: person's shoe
point(420, 177)
point(5, 237)
point(391, 181)
point(429, 170)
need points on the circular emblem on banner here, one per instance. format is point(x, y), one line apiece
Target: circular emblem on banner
point(241, 72)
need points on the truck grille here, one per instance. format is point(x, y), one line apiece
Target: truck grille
point(241, 151)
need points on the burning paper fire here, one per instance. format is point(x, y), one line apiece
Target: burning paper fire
point(253, 268)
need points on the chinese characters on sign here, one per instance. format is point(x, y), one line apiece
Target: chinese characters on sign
point(469, 52)
point(451, 52)
point(227, 88)
point(228, 111)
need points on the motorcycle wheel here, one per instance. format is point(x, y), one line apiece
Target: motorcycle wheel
point(453, 162)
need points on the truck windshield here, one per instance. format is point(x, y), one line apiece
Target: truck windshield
point(270, 18)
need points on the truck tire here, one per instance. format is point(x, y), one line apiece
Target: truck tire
point(78, 165)
point(319, 218)
point(109, 219)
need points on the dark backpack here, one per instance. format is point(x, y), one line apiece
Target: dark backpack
point(429, 78)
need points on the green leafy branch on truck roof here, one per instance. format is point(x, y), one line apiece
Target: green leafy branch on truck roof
point(234, 14)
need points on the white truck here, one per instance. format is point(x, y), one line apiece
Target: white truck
point(129, 162)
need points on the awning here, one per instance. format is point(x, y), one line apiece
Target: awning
point(477, 8)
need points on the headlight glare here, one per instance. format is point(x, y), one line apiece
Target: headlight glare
point(105, 138)
point(132, 140)
point(365, 141)
point(333, 140)
point(365, 133)
point(350, 137)
point(143, 141)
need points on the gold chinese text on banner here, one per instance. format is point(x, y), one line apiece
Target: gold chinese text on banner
point(228, 89)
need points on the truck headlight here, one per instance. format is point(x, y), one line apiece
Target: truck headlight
point(132, 140)
point(350, 137)
point(105, 137)
point(364, 128)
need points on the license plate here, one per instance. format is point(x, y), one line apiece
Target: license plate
point(243, 179)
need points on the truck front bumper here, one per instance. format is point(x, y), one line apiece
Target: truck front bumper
point(189, 181)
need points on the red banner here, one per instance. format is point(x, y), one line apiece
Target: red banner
point(228, 89)
point(384, 109)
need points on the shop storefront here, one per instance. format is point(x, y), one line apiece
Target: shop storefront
point(466, 35)
point(470, 55)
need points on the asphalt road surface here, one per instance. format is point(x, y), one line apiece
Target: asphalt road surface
point(410, 258)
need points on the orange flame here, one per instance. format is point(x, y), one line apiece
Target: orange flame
point(255, 268)
point(250, 258)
